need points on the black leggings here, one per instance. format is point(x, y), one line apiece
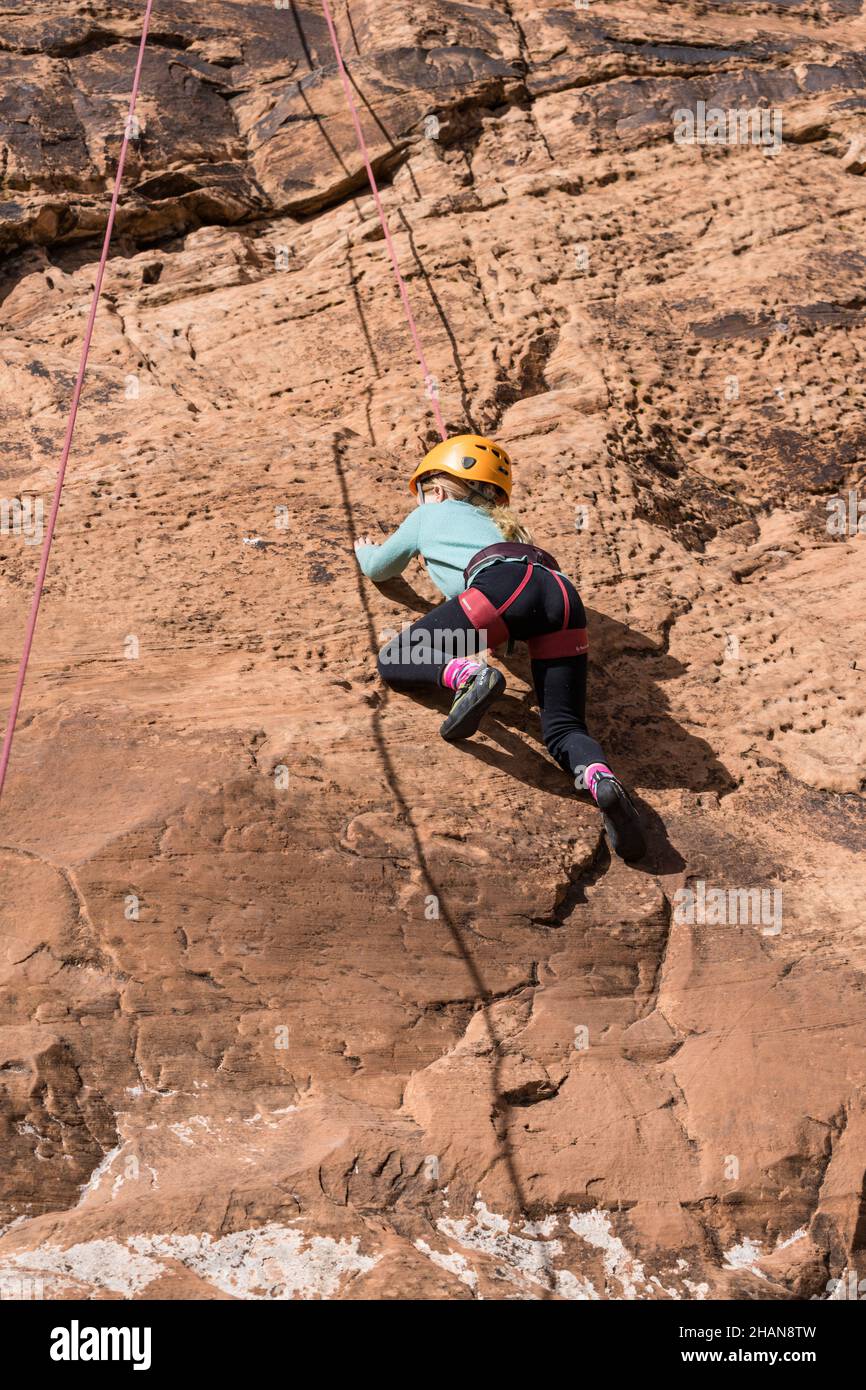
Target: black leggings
point(420, 653)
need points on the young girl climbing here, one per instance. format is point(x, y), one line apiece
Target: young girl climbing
point(499, 587)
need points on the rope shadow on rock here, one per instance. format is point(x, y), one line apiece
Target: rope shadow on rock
point(500, 1108)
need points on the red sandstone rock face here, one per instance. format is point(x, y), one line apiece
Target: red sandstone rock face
point(298, 1001)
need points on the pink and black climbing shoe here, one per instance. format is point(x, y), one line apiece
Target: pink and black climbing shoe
point(618, 811)
point(471, 700)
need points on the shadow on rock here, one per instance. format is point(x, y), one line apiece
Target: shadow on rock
point(628, 711)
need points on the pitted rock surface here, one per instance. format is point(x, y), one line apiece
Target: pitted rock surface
point(297, 1000)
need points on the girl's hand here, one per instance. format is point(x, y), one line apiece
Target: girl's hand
point(363, 540)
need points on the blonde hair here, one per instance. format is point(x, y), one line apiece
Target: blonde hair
point(485, 496)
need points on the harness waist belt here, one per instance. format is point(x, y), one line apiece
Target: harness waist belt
point(511, 550)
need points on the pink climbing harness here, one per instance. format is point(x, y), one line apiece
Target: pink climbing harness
point(486, 617)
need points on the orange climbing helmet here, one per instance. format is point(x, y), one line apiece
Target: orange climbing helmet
point(470, 457)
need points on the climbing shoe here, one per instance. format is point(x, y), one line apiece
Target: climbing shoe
point(620, 817)
point(470, 702)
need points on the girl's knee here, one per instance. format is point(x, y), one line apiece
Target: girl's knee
point(388, 660)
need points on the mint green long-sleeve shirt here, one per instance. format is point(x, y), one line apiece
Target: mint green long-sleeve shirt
point(447, 535)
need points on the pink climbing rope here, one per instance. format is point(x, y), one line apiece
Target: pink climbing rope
point(429, 380)
point(73, 413)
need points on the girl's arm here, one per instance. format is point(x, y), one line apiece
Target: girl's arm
point(380, 562)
